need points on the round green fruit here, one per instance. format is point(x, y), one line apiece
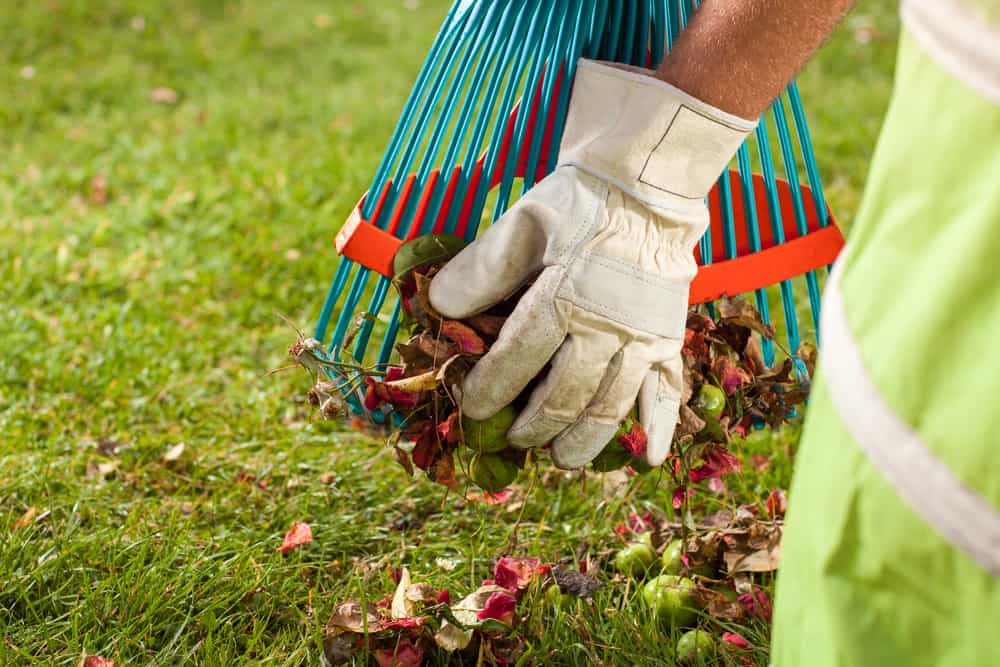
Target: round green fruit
point(555, 598)
point(489, 435)
point(696, 647)
point(492, 472)
point(711, 400)
point(669, 598)
point(635, 559)
point(671, 561)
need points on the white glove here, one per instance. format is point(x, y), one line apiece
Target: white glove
point(609, 237)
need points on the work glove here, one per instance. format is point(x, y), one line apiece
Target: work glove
point(608, 239)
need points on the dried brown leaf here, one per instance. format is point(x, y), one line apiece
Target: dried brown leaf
point(739, 311)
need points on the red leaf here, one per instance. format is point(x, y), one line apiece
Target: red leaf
point(757, 603)
point(404, 655)
point(451, 429)
point(731, 376)
point(427, 447)
point(371, 399)
point(635, 440)
point(716, 461)
point(678, 499)
point(297, 535)
point(98, 661)
point(777, 503)
point(636, 524)
point(500, 607)
point(444, 597)
point(404, 623)
point(516, 573)
point(468, 341)
point(496, 498)
point(735, 640)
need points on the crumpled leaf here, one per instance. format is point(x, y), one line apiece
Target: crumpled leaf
point(432, 347)
point(808, 354)
point(739, 311)
point(404, 654)
point(731, 375)
point(499, 607)
point(735, 641)
point(340, 647)
point(761, 560)
point(467, 340)
point(442, 470)
point(487, 325)
point(354, 617)
point(403, 459)
point(418, 383)
point(300, 533)
point(516, 573)
point(635, 441)
point(689, 423)
point(757, 603)
point(402, 606)
point(424, 251)
point(717, 604)
point(776, 503)
point(574, 582)
point(455, 636)
point(98, 661)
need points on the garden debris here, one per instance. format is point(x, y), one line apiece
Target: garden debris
point(300, 533)
point(729, 389)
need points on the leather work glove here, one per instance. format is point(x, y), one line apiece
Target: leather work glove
point(609, 238)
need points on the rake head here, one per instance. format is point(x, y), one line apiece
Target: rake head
point(485, 118)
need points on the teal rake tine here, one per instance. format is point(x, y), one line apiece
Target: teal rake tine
point(568, 75)
point(791, 175)
point(507, 182)
point(444, 35)
point(487, 103)
point(777, 229)
point(596, 31)
point(443, 122)
point(661, 32)
point(336, 287)
point(753, 235)
point(808, 156)
point(627, 44)
point(506, 104)
point(553, 66)
point(640, 54)
point(614, 31)
point(529, 48)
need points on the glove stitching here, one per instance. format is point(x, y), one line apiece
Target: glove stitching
point(659, 143)
point(585, 230)
point(630, 271)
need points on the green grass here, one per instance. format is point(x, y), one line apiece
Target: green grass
point(149, 320)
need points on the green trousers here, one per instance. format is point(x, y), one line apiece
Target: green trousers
point(892, 550)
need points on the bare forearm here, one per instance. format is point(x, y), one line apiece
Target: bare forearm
point(738, 55)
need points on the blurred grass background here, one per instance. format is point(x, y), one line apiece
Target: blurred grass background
point(172, 174)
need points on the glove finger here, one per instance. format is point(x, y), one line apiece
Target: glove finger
point(659, 405)
point(529, 338)
point(577, 373)
point(590, 434)
point(495, 265)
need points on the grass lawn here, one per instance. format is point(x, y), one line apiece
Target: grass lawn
point(145, 248)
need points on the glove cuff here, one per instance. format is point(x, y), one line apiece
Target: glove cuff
point(654, 141)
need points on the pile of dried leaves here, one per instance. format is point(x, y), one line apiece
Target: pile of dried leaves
point(404, 627)
point(729, 388)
